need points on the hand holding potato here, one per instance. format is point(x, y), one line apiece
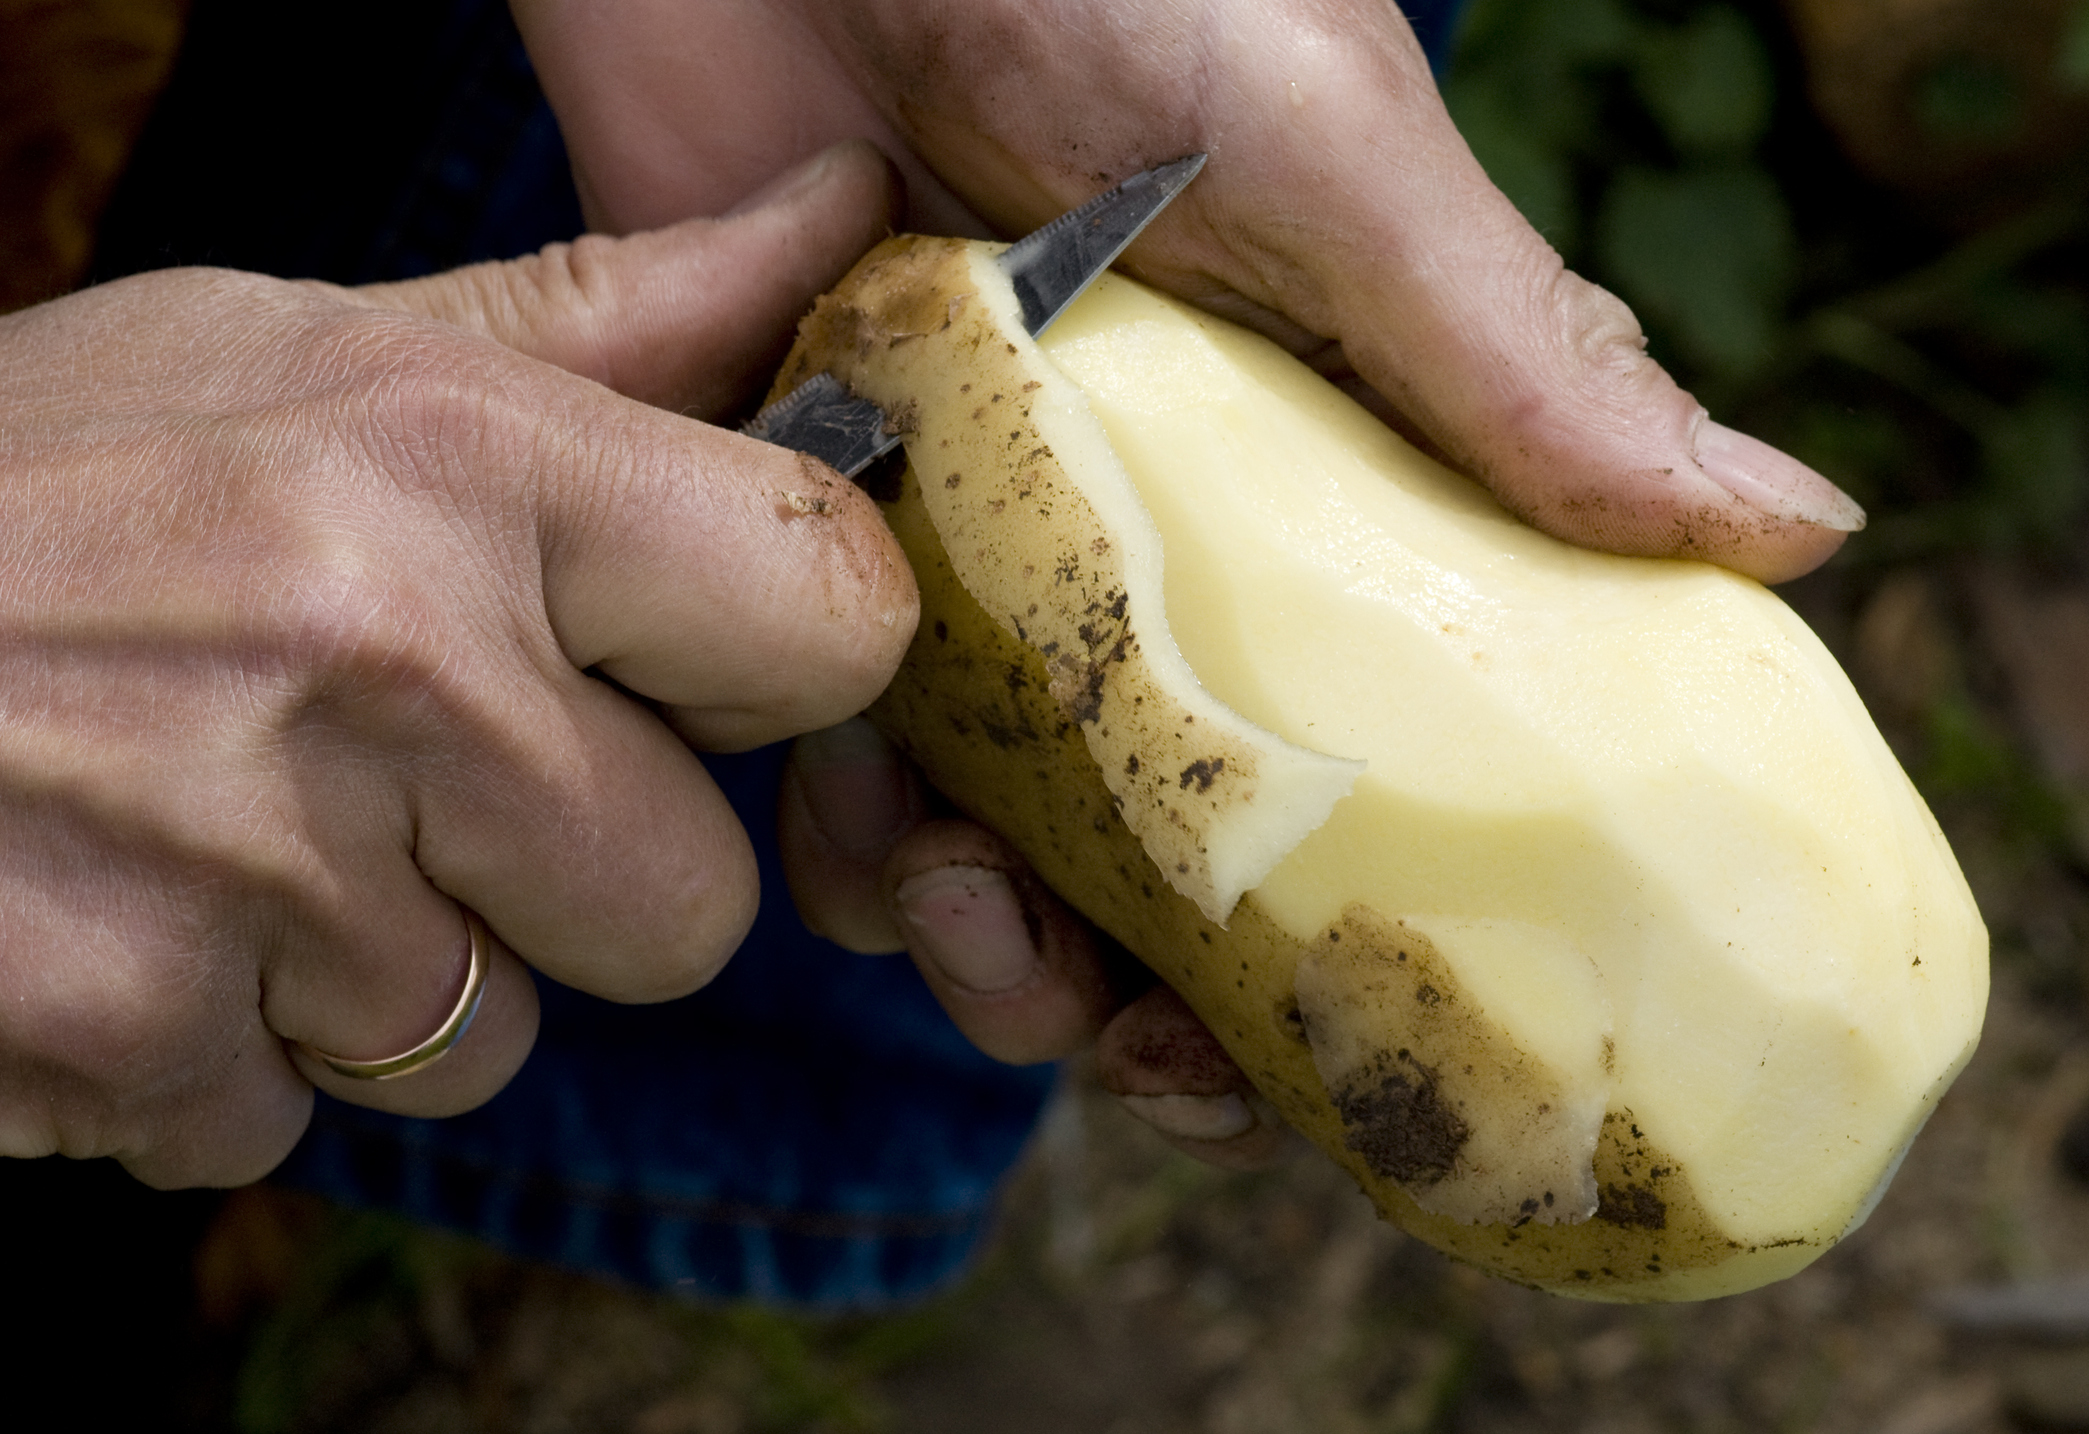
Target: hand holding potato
point(1342, 215)
point(1623, 960)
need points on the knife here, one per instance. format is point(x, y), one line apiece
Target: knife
point(1050, 268)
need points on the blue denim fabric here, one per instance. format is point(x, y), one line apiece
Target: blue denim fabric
point(809, 1130)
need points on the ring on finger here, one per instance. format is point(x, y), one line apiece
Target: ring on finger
point(446, 1036)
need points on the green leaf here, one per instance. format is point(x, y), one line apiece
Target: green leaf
point(1970, 100)
point(2047, 320)
point(2037, 464)
point(1543, 66)
point(1853, 447)
point(1966, 756)
point(1708, 83)
point(2071, 65)
point(1566, 32)
point(1706, 255)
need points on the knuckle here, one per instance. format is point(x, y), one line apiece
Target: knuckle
point(579, 273)
point(330, 608)
point(338, 631)
point(544, 299)
point(348, 625)
point(1578, 382)
point(113, 1049)
point(413, 404)
point(716, 928)
point(1599, 328)
point(1587, 347)
point(717, 915)
point(442, 408)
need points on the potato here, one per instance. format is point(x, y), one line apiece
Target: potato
point(1572, 902)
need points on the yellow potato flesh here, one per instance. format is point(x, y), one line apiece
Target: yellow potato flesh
point(1655, 762)
point(1631, 961)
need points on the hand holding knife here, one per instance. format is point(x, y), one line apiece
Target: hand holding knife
point(1050, 268)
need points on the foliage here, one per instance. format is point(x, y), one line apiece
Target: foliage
point(1936, 369)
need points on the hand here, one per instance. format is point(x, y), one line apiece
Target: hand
point(325, 612)
point(1024, 978)
point(1341, 213)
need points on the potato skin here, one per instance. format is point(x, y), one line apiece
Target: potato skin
point(976, 708)
point(972, 707)
point(1054, 540)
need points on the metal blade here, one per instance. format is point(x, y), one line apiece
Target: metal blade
point(1052, 267)
point(820, 419)
point(1049, 268)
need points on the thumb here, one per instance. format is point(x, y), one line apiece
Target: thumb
point(1363, 217)
point(1534, 380)
point(694, 317)
point(1538, 383)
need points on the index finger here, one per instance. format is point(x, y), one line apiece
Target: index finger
point(746, 585)
point(752, 588)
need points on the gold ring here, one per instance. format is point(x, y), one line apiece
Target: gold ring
point(436, 1046)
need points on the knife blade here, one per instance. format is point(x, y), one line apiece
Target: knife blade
point(1050, 268)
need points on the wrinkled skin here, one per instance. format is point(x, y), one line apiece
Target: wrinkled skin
point(304, 592)
point(322, 614)
point(1341, 214)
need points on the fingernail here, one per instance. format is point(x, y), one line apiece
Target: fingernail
point(1193, 1117)
point(1773, 481)
point(967, 921)
point(855, 788)
point(789, 183)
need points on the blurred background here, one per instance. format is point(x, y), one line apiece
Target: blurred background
point(1857, 228)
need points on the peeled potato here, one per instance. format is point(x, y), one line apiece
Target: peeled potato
point(1572, 902)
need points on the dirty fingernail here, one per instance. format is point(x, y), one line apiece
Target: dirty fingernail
point(967, 921)
point(1772, 481)
point(1193, 1117)
point(855, 788)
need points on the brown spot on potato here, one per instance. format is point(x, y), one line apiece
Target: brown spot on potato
point(1632, 1205)
point(953, 677)
point(1400, 1125)
point(901, 418)
point(1290, 1020)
